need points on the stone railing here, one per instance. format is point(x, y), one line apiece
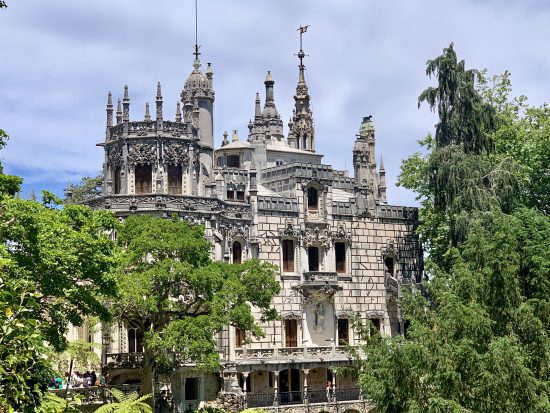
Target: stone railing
point(93, 394)
point(320, 277)
point(244, 355)
point(302, 397)
point(124, 360)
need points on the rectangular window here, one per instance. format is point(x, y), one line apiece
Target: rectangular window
point(174, 179)
point(230, 194)
point(376, 323)
point(291, 333)
point(288, 255)
point(343, 331)
point(135, 340)
point(240, 337)
point(118, 181)
point(313, 258)
point(191, 388)
point(340, 252)
point(233, 161)
point(143, 179)
point(240, 195)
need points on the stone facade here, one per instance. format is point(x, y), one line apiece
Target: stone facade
point(342, 250)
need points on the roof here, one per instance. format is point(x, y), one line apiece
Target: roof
point(288, 149)
point(339, 195)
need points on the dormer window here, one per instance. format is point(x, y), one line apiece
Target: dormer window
point(233, 161)
point(312, 199)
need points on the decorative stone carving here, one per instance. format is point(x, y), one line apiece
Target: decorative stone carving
point(291, 315)
point(390, 250)
point(241, 232)
point(289, 231)
point(341, 235)
point(142, 153)
point(317, 235)
point(175, 154)
point(114, 155)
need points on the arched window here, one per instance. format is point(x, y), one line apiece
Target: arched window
point(312, 199)
point(143, 179)
point(237, 252)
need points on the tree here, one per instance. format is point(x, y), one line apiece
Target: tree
point(130, 403)
point(87, 189)
point(179, 298)
point(55, 266)
point(479, 328)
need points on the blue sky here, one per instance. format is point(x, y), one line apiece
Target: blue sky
point(366, 57)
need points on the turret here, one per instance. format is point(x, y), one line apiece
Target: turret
point(382, 183)
point(271, 118)
point(126, 105)
point(147, 116)
point(109, 110)
point(118, 112)
point(198, 92)
point(159, 107)
point(363, 155)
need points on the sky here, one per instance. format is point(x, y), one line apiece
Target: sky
point(59, 59)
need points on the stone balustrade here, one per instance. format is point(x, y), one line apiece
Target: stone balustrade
point(124, 360)
point(246, 355)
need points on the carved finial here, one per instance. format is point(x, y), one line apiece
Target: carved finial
point(257, 107)
point(209, 71)
point(159, 92)
point(269, 78)
point(382, 169)
point(178, 113)
point(225, 140)
point(109, 109)
point(147, 114)
point(159, 103)
point(126, 105)
point(118, 112)
point(235, 137)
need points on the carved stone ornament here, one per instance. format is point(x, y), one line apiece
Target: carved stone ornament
point(316, 235)
point(311, 297)
point(390, 250)
point(289, 231)
point(341, 235)
point(235, 232)
point(142, 153)
point(175, 154)
point(291, 315)
point(114, 155)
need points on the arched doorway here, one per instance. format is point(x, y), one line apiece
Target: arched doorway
point(237, 252)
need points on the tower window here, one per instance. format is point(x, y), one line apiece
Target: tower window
point(233, 161)
point(174, 179)
point(117, 181)
point(288, 255)
point(291, 333)
point(237, 252)
point(143, 179)
point(312, 199)
point(340, 252)
point(230, 194)
point(240, 195)
point(313, 258)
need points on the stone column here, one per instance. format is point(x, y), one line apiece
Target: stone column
point(245, 377)
point(275, 388)
point(333, 385)
point(190, 172)
point(305, 373)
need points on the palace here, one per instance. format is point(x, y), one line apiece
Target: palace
point(343, 251)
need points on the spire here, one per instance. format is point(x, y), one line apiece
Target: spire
point(118, 112)
point(235, 137)
point(382, 183)
point(257, 109)
point(178, 113)
point(301, 131)
point(126, 105)
point(109, 109)
point(269, 99)
point(159, 102)
point(147, 114)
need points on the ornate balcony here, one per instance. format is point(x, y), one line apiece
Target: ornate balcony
point(124, 360)
point(293, 354)
point(320, 278)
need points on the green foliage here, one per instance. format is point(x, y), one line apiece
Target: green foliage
point(479, 335)
point(9, 184)
point(179, 297)
point(87, 189)
point(24, 370)
point(55, 404)
point(130, 403)
point(66, 255)
point(83, 355)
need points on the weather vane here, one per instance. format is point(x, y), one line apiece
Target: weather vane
point(301, 53)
